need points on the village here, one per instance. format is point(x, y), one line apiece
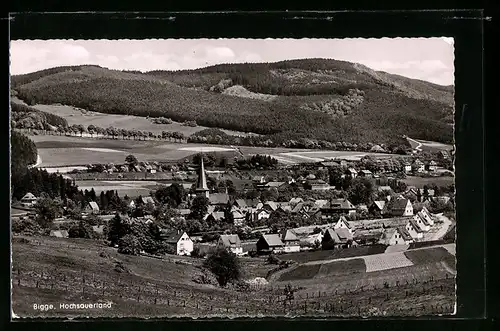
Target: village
point(299, 211)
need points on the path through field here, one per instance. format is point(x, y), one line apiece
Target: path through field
point(417, 144)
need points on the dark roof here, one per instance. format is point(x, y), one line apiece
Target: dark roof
point(333, 235)
point(201, 183)
point(415, 225)
point(339, 204)
point(171, 237)
point(252, 202)
point(343, 234)
point(229, 240)
point(404, 233)
point(398, 204)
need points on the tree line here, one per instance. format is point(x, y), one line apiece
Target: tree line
point(26, 117)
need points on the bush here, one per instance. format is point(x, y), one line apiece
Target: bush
point(26, 227)
point(224, 265)
point(272, 259)
point(129, 245)
point(198, 253)
point(82, 230)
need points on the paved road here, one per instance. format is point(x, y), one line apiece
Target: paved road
point(446, 246)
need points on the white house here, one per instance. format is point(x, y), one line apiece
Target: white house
point(342, 223)
point(422, 222)
point(231, 242)
point(261, 214)
point(92, 207)
point(427, 215)
point(180, 240)
point(396, 236)
point(238, 217)
point(414, 230)
point(399, 207)
point(29, 200)
point(290, 240)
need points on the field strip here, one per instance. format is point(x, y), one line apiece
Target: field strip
point(103, 150)
point(315, 159)
point(282, 159)
point(206, 149)
point(386, 262)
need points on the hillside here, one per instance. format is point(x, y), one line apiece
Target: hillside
point(319, 99)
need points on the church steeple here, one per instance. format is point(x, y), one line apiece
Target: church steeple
point(201, 184)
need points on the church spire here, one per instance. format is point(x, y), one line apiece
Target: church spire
point(201, 184)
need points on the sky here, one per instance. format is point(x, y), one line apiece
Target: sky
point(429, 59)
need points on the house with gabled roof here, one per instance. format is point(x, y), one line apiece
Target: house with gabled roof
point(342, 223)
point(428, 215)
point(295, 201)
point(399, 207)
point(270, 243)
point(238, 217)
point(92, 207)
point(270, 206)
point(290, 240)
point(182, 243)
point(406, 166)
point(230, 242)
point(240, 204)
point(377, 208)
point(318, 185)
point(414, 230)
point(431, 166)
point(418, 166)
point(422, 222)
point(337, 206)
point(365, 173)
point(59, 233)
point(214, 216)
point(29, 199)
point(352, 173)
point(396, 236)
point(276, 185)
point(146, 200)
point(261, 214)
point(334, 238)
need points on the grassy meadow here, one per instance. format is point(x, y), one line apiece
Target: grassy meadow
point(79, 270)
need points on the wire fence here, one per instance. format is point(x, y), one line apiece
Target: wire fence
point(430, 297)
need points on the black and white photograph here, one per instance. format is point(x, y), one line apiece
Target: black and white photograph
point(232, 178)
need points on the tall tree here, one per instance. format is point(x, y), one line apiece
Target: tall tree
point(199, 207)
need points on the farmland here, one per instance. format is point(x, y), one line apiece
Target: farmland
point(419, 182)
point(66, 151)
point(80, 116)
point(131, 188)
point(140, 286)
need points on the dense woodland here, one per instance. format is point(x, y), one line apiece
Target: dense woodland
point(311, 97)
point(26, 117)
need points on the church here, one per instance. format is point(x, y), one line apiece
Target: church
point(216, 199)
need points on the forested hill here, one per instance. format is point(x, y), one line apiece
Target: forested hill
point(315, 98)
